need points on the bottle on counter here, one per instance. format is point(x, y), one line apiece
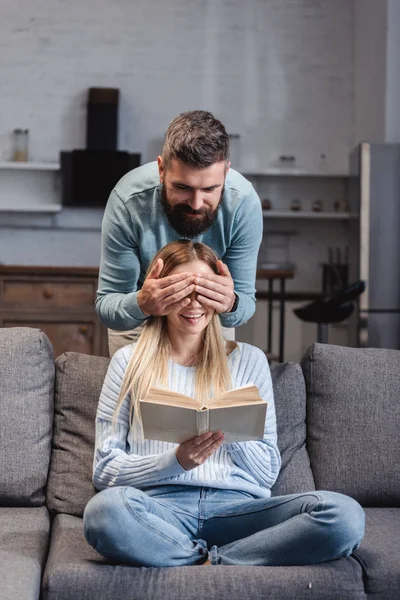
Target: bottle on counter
point(20, 145)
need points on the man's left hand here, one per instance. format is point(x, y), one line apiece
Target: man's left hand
point(216, 291)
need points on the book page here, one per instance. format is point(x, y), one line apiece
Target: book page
point(237, 397)
point(171, 398)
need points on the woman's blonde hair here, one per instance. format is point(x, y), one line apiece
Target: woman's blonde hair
point(148, 364)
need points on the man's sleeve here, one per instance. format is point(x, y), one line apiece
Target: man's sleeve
point(116, 301)
point(241, 259)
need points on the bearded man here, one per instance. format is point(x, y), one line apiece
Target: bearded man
point(190, 192)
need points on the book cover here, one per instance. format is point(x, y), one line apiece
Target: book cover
point(172, 417)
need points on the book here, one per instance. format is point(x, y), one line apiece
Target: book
point(168, 416)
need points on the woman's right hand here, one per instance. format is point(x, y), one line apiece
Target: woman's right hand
point(194, 452)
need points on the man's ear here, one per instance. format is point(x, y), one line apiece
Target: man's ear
point(161, 169)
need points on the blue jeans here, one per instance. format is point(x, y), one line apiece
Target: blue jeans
point(169, 526)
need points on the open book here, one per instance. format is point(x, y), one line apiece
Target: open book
point(172, 417)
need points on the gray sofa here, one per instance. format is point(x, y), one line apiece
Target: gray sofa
point(338, 418)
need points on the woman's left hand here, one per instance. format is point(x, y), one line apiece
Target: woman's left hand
point(194, 452)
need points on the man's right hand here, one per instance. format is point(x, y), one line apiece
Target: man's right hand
point(159, 297)
point(194, 452)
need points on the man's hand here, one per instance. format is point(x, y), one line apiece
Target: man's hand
point(194, 452)
point(159, 297)
point(216, 291)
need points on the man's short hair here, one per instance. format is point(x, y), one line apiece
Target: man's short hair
point(197, 139)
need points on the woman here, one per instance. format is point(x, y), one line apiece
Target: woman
point(203, 501)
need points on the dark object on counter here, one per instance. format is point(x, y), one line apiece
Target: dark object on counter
point(331, 309)
point(317, 206)
point(334, 277)
point(287, 159)
point(266, 204)
point(102, 119)
point(335, 273)
point(295, 205)
point(88, 176)
point(341, 205)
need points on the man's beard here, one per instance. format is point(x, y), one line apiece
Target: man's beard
point(189, 227)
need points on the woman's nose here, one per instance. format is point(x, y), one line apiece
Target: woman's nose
point(193, 299)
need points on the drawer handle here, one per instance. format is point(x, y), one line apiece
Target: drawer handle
point(47, 294)
point(83, 329)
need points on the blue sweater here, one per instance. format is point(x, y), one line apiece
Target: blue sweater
point(135, 227)
point(248, 466)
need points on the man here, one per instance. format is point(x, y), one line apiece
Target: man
point(190, 192)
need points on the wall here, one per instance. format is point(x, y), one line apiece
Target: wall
point(278, 72)
point(370, 39)
point(392, 123)
point(377, 70)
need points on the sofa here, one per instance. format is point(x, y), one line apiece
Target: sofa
point(338, 415)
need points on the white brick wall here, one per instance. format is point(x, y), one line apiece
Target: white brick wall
point(279, 72)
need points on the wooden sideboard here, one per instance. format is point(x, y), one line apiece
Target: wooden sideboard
point(58, 300)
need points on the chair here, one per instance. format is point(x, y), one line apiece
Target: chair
point(330, 309)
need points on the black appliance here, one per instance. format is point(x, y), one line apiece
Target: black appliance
point(102, 119)
point(88, 176)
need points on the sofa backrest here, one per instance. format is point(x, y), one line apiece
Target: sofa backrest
point(290, 404)
point(79, 378)
point(353, 421)
point(26, 415)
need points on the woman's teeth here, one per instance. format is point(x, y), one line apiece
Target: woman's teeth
point(192, 318)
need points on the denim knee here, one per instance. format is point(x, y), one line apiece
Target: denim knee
point(348, 519)
point(98, 516)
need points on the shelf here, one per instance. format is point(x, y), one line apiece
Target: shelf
point(29, 166)
point(291, 172)
point(44, 208)
point(308, 214)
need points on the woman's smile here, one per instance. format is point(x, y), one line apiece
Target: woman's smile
point(193, 318)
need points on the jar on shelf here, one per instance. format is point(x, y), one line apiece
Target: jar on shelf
point(341, 205)
point(317, 206)
point(266, 204)
point(20, 145)
point(295, 205)
point(234, 150)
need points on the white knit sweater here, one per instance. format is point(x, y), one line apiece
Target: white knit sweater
point(248, 466)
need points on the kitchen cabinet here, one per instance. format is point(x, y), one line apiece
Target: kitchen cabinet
point(58, 300)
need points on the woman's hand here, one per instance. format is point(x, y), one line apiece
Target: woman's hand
point(194, 452)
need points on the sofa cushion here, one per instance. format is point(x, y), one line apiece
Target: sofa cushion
point(290, 403)
point(79, 378)
point(26, 414)
point(353, 421)
point(75, 570)
point(379, 553)
point(24, 539)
